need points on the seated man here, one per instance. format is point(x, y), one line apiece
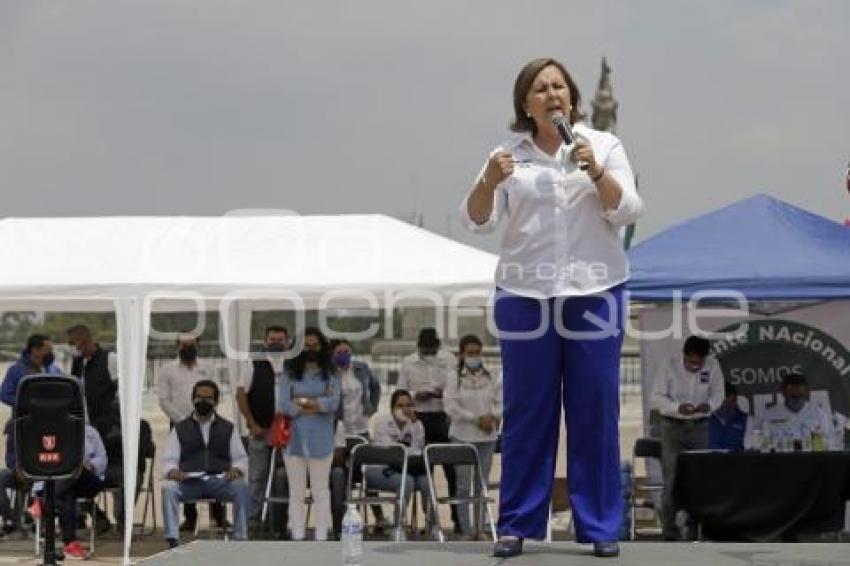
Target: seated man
point(87, 485)
point(795, 415)
point(204, 458)
point(727, 425)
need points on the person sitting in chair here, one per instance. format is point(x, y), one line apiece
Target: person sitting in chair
point(726, 425)
point(402, 426)
point(205, 458)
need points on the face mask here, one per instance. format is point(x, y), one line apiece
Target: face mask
point(311, 356)
point(48, 360)
point(203, 407)
point(276, 348)
point(795, 403)
point(399, 415)
point(188, 354)
point(692, 368)
point(343, 359)
point(76, 352)
point(473, 363)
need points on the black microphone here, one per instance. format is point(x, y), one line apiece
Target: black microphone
point(563, 126)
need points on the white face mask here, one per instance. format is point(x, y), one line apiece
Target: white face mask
point(400, 416)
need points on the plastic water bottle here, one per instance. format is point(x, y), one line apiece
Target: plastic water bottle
point(818, 440)
point(760, 442)
point(352, 537)
point(806, 437)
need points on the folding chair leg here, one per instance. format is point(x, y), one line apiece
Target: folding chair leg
point(434, 510)
point(401, 509)
point(153, 501)
point(227, 506)
point(92, 526)
point(269, 481)
point(37, 539)
point(485, 499)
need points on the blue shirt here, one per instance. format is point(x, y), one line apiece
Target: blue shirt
point(727, 434)
point(16, 372)
point(95, 453)
point(312, 434)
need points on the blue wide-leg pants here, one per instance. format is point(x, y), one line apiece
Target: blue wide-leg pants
point(572, 357)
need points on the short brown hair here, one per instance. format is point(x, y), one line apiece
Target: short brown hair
point(522, 122)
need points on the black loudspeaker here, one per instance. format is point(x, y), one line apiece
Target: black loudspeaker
point(50, 427)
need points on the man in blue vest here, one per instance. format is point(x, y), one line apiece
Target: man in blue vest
point(204, 458)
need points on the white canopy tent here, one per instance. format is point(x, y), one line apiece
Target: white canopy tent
point(234, 264)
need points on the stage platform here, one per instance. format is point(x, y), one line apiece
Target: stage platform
point(208, 553)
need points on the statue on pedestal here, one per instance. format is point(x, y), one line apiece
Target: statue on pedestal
point(604, 104)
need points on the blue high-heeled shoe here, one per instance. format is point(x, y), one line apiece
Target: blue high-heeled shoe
point(507, 548)
point(609, 549)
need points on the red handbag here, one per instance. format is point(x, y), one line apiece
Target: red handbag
point(279, 432)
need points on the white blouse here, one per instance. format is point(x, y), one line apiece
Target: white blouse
point(470, 396)
point(558, 240)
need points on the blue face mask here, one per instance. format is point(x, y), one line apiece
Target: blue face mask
point(794, 404)
point(342, 359)
point(473, 363)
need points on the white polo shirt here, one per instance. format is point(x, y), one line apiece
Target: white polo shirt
point(558, 240)
point(674, 386)
point(811, 418)
point(418, 374)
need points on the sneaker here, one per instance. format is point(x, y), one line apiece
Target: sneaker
point(35, 508)
point(75, 551)
point(172, 542)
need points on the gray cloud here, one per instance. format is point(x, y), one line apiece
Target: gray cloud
point(199, 107)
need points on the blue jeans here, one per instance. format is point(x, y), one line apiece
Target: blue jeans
point(385, 479)
point(236, 491)
point(7, 481)
point(465, 477)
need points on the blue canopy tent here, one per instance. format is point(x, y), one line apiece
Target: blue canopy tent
point(781, 258)
point(762, 247)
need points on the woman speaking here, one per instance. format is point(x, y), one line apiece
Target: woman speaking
point(558, 306)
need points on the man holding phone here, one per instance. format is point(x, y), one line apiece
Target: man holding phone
point(425, 374)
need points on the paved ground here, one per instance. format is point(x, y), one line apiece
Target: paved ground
point(478, 554)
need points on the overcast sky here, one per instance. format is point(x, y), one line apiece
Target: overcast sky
point(198, 107)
